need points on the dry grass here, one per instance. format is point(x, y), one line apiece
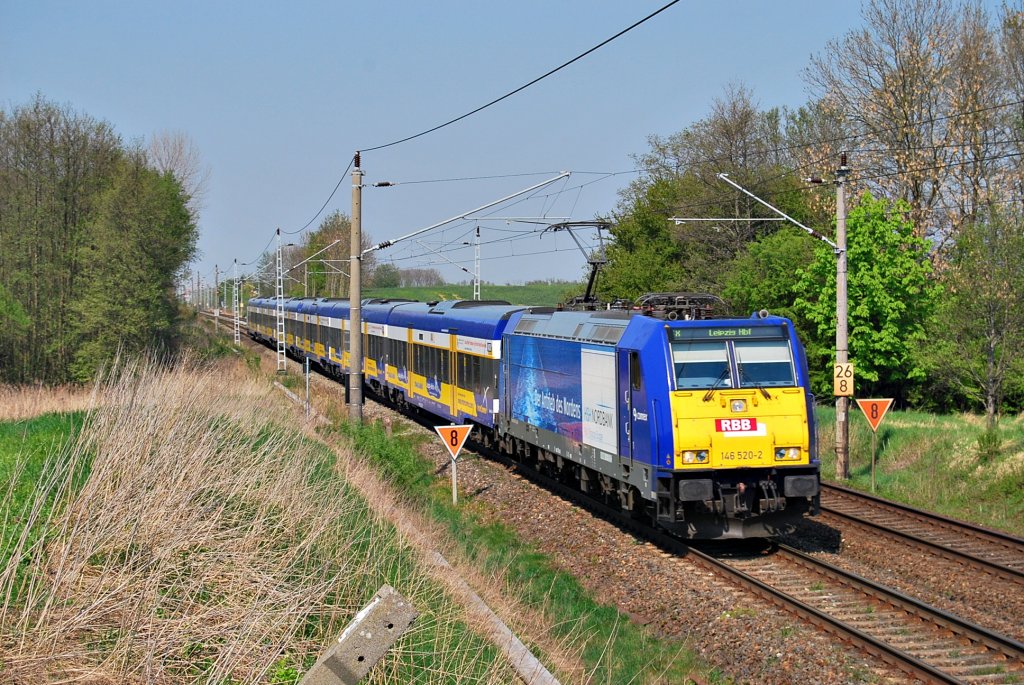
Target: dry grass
point(19, 402)
point(191, 540)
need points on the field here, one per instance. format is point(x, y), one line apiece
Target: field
point(538, 294)
point(181, 533)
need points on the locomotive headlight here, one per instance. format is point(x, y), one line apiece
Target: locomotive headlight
point(695, 457)
point(787, 453)
point(739, 405)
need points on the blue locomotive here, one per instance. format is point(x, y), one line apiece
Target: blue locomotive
point(703, 427)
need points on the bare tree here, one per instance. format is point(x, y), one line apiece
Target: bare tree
point(923, 90)
point(177, 153)
point(889, 83)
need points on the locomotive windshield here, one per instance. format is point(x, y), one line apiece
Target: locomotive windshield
point(701, 364)
point(761, 358)
point(764, 362)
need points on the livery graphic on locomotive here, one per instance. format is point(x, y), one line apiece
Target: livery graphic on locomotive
point(704, 427)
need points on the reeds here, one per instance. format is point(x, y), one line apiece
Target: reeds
point(187, 537)
point(19, 402)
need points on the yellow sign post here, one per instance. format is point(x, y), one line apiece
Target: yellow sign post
point(843, 380)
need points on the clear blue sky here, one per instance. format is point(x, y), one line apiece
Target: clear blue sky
point(278, 96)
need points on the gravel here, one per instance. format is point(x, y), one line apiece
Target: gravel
point(740, 635)
point(992, 602)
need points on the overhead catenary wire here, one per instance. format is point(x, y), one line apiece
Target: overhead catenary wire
point(606, 175)
point(525, 85)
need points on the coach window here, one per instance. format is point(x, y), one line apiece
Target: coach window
point(399, 358)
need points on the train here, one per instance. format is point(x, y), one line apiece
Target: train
point(702, 427)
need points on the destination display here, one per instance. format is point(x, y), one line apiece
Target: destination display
point(720, 332)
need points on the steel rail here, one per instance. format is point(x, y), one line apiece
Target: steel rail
point(1007, 540)
point(964, 558)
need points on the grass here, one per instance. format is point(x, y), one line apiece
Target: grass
point(539, 294)
point(945, 464)
point(25, 447)
point(186, 536)
point(612, 649)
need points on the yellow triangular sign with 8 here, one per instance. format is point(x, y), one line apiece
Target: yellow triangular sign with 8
point(453, 437)
point(874, 410)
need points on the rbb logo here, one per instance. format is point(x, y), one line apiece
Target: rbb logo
point(735, 425)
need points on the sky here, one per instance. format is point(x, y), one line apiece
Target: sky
point(278, 96)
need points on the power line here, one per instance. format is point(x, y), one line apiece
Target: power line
point(937, 167)
point(527, 85)
point(471, 178)
point(329, 197)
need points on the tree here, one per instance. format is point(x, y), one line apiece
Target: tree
point(387, 276)
point(142, 236)
point(421, 277)
point(176, 153)
point(890, 297)
point(643, 256)
point(680, 179)
point(91, 240)
point(328, 272)
point(54, 163)
point(762, 276)
point(976, 340)
point(921, 93)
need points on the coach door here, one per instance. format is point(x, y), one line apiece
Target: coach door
point(636, 432)
point(625, 387)
point(453, 372)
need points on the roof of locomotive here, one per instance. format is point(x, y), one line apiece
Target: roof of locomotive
point(602, 326)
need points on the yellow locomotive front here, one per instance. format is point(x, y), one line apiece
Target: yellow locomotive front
point(743, 430)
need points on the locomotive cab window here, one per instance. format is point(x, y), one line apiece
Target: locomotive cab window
point(635, 374)
point(701, 364)
point(764, 363)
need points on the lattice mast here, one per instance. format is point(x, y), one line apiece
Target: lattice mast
point(279, 307)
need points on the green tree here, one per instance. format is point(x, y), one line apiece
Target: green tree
point(652, 253)
point(890, 297)
point(141, 237)
point(387, 276)
point(644, 256)
point(54, 163)
point(763, 276)
point(976, 339)
point(327, 274)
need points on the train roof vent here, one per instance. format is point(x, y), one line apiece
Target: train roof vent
point(609, 334)
point(468, 304)
point(526, 325)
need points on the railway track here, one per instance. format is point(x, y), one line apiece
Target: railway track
point(992, 552)
point(925, 643)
